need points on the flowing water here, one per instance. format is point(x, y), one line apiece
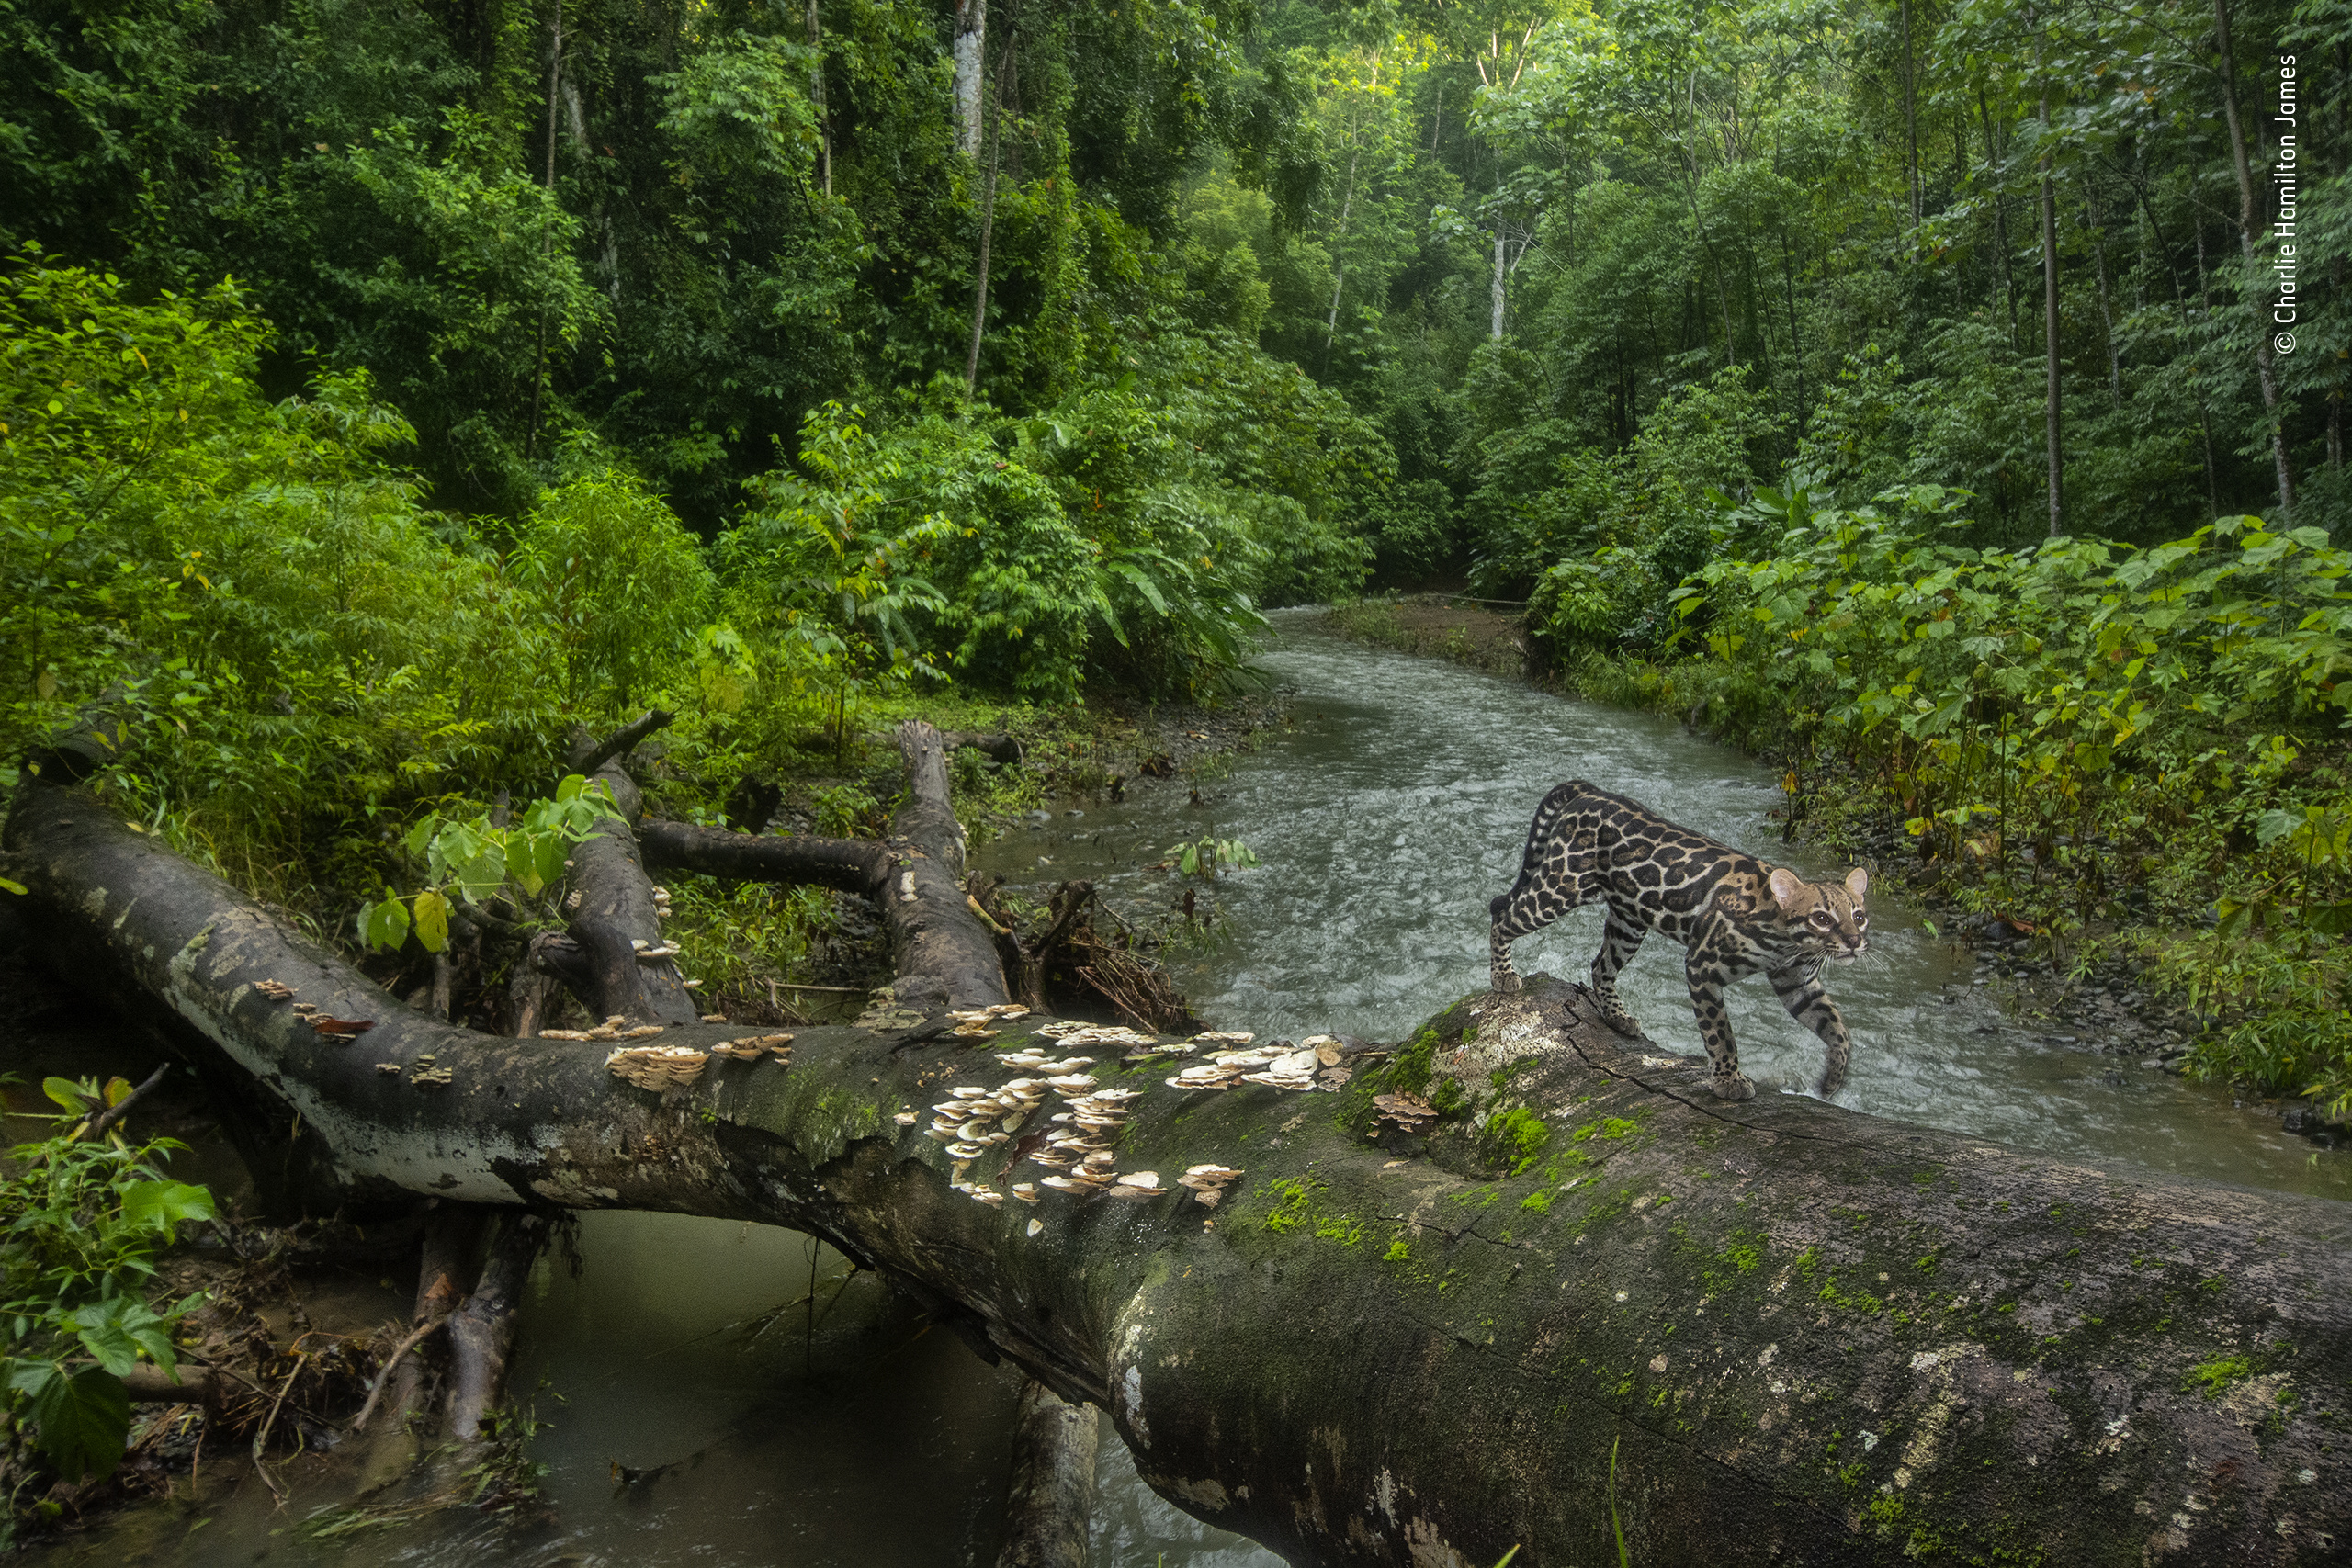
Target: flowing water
point(1395, 804)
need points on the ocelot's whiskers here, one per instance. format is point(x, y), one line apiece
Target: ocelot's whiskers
point(1736, 915)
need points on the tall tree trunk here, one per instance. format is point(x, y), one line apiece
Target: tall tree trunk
point(2052, 408)
point(539, 359)
point(2105, 311)
point(2336, 269)
point(988, 219)
point(1497, 298)
point(1339, 256)
point(971, 37)
point(1796, 349)
point(2257, 285)
point(2005, 281)
point(1910, 113)
point(816, 97)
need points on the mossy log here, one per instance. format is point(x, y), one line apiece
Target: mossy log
point(1800, 1334)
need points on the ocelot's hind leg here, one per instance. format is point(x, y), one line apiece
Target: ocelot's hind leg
point(1543, 893)
point(1619, 942)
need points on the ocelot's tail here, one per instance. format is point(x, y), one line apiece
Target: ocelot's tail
point(1547, 817)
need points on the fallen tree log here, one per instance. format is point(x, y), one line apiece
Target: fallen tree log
point(1438, 1304)
point(613, 914)
point(915, 877)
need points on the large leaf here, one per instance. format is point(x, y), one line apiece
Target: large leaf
point(80, 1422)
point(384, 925)
point(432, 920)
point(116, 1331)
point(162, 1205)
point(480, 877)
point(546, 857)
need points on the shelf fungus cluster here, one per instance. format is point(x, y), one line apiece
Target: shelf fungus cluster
point(613, 1028)
point(975, 1118)
point(1078, 1144)
point(1208, 1182)
point(1074, 1035)
point(972, 1023)
point(1276, 1066)
point(1407, 1112)
point(752, 1047)
point(657, 1066)
point(651, 953)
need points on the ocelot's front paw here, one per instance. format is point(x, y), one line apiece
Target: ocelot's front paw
point(1733, 1084)
point(1617, 1018)
point(1506, 980)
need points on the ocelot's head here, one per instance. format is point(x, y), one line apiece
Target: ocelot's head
point(1827, 918)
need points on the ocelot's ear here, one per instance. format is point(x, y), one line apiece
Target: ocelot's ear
point(1785, 886)
point(1858, 882)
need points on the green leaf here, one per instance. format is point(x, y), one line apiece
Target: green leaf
point(67, 1093)
point(384, 926)
point(8, 886)
point(2275, 825)
point(81, 1422)
point(547, 858)
point(480, 876)
point(161, 1205)
point(519, 865)
point(100, 1330)
point(432, 920)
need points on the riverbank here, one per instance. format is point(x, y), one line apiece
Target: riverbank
point(2143, 994)
point(1477, 632)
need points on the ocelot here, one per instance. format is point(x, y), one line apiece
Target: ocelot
point(1736, 914)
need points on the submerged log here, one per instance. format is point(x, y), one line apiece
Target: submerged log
point(1438, 1303)
point(482, 1332)
point(1052, 1496)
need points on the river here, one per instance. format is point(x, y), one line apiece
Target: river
point(1384, 817)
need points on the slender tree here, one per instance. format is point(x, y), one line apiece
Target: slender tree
point(2052, 393)
point(2257, 285)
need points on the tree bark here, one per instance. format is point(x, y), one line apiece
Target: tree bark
point(1803, 1334)
point(988, 217)
point(816, 98)
point(971, 38)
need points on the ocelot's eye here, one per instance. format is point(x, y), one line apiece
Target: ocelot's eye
point(1823, 917)
point(1861, 922)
